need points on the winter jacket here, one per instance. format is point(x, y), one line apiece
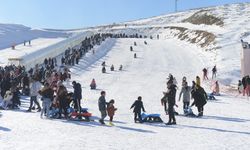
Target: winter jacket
point(34, 88)
point(47, 92)
point(171, 93)
point(200, 97)
point(102, 103)
point(186, 91)
point(138, 106)
point(77, 91)
point(111, 110)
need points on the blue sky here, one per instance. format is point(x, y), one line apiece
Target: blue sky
point(69, 14)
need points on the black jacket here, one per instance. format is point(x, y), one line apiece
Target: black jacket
point(77, 91)
point(138, 105)
point(102, 103)
point(171, 93)
point(200, 97)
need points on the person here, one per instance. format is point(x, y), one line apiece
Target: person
point(138, 106)
point(131, 48)
point(198, 81)
point(164, 101)
point(93, 84)
point(200, 97)
point(214, 70)
point(104, 64)
point(111, 111)
point(240, 87)
point(171, 94)
point(186, 91)
point(103, 69)
point(145, 43)
point(47, 94)
point(77, 95)
point(35, 86)
point(184, 79)
point(135, 44)
point(112, 68)
point(216, 89)
point(102, 106)
point(248, 85)
point(61, 97)
point(135, 55)
point(120, 69)
point(205, 74)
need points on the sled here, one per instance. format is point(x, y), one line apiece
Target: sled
point(151, 118)
point(78, 116)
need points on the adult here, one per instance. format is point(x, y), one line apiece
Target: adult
point(138, 106)
point(214, 70)
point(62, 99)
point(102, 106)
point(77, 95)
point(200, 99)
point(171, 94)
point(47, 94)
point(186, 92)
point(35, 86)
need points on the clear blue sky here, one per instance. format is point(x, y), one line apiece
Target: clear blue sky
point(69, 14)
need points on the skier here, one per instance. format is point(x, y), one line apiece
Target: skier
point(34, 88)
point(214, 70)
point(93, 84)
point(102, 106)
point(186, 91)
point(205, 74)
point(171, 93)
point(112, 68)
point(200, 97)
point(111, 111)
point(138, 106)
point(77, 95)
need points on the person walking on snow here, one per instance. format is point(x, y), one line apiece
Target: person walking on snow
point(34, 88)
point(138, 106)
point(102, 106)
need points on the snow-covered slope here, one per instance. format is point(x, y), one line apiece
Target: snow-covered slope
point(226, 121)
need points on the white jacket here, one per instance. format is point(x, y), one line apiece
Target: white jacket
point(34, 88)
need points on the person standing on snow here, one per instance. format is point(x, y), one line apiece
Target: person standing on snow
point(205, 74)
point(77, 95)
point(186, 91)
point(171, 93)
point(214, 70)
point(111, 111)
point(102, 106)
point(138, 106)
point(34, 88)
point(200, 99)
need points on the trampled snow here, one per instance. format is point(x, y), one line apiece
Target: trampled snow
point(226, 121)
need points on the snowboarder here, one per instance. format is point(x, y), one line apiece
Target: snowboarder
point(200, 98)
point(138, 106)
point(171, 93)
point(111, 111)
point(102, 106)
point(93, 84)
point(186, 91)
point(214, 70)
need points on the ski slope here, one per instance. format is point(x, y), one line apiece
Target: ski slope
point(224, 126)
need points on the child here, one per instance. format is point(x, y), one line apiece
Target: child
point(138, 106)
point(111, 111)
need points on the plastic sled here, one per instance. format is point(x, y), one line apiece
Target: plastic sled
point(151, 118)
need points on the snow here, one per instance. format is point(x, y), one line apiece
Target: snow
point(226, 121)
